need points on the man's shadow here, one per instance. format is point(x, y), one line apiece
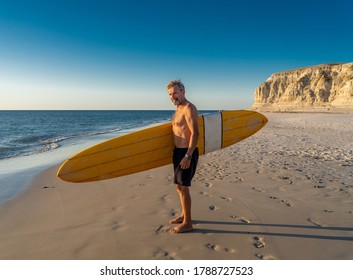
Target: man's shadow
point(297, 235)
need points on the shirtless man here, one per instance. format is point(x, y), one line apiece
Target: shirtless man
point(186, 154)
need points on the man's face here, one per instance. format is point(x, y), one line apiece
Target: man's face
point(176, 95)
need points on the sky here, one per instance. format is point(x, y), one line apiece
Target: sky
point(119, 55)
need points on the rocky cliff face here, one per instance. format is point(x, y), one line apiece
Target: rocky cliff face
point(325, 87)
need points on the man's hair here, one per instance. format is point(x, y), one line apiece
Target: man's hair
point(177, 83)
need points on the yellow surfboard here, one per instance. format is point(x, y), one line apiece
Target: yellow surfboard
point(153, 147)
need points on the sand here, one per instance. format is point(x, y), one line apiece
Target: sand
point(284, 193)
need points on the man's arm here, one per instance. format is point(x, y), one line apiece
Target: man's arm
point(191, 117)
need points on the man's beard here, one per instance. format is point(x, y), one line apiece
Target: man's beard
point(176, 102)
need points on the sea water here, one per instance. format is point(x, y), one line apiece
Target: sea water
point(33, 140)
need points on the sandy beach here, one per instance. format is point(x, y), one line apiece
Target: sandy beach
point(284, 193)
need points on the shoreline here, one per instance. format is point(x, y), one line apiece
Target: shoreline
point(28, 166)
point(283, 193)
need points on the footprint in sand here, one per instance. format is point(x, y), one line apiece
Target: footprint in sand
point(116, 226)
point(265, 257)
point(260, 171)
point(316, 223)
point(237, 180)
point(218, 248)
point(165, 198)
point(258, 189)
point(213, 208)
point(286, 202)
point(205, 194)
point(173, 212)
point(259, 242)
point(162, 229)
point(164, 255)
point(226, 198)
point(241, 219)
point(208, 185)
point(286, 178)
point(47, 187)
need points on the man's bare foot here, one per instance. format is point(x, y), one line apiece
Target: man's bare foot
point(177, 220)
point(182, 228)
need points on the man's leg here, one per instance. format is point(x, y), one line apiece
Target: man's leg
point(185, 200)
point(179, 219)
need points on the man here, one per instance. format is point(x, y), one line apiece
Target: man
point(186, 154)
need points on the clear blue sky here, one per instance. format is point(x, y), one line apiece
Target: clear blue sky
point(121, 54)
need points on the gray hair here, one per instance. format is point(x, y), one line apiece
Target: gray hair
point(177, 83)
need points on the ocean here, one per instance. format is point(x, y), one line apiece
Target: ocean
point(25, 133)
point(32, 140)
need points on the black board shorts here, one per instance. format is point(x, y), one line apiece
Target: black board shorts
point(183, 177)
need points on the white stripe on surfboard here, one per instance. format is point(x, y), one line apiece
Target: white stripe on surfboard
point(213, 132)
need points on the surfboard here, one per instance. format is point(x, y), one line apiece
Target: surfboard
point(153, 147)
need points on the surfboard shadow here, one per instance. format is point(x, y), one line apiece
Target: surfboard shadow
point(266, 233)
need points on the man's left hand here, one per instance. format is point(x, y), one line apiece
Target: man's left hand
point(185, 163)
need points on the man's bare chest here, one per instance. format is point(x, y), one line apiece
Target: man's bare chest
point(178, 120)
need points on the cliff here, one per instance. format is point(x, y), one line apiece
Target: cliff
point(322, 87)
